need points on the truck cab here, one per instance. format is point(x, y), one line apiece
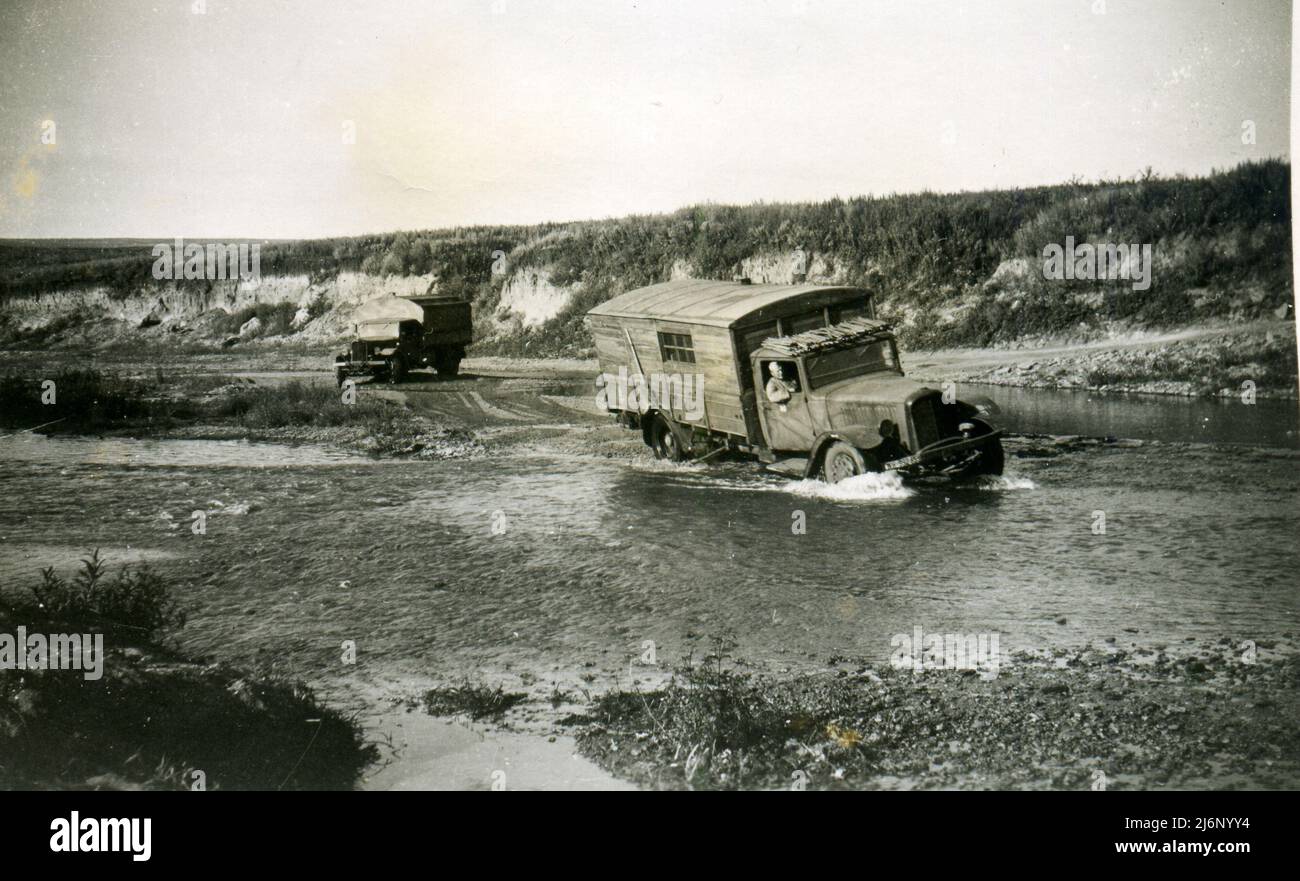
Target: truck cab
point(381, 347)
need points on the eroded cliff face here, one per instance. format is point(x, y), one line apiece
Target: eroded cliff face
point(531, 297)
point(297, 308)
point(321, 310)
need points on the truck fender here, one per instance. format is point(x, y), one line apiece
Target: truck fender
point(863, 439)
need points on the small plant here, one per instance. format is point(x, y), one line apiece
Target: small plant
point(136, 605)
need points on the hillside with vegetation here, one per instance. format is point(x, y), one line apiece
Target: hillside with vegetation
point(952, 270)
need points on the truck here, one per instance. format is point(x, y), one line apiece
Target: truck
point(392, 335)
point(803, 377)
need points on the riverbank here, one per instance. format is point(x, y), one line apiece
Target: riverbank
point(1210, 714)
point(213, 407)
point(1217, 361)
point(125, 710)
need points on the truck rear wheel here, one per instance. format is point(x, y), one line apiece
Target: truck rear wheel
point(842, 461)
point(664, 442)
point(447, 363)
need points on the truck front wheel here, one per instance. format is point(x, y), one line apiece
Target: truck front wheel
point(843, 460)
point(992, 459)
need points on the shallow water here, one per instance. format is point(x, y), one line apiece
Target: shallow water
point(1266, 423)
point(552, 566)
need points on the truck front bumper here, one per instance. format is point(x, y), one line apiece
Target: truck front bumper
point(950, 457)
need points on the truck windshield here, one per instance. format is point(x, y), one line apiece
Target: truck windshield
point(828, 367)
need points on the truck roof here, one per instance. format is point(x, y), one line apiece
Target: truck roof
point(715, 303)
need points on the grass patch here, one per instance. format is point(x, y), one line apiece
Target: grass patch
point(73, 399)
point(384, 427)
point(470, 699)
point(718, 727)
point(297, 404)
point(87, 401)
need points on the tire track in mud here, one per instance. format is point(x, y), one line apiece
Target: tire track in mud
point(490, 403)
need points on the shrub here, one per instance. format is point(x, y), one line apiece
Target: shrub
point(319, 305)
point(82, 399)
point(136, 605)
point(294, 404)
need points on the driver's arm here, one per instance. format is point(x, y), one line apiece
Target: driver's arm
point(777, 391)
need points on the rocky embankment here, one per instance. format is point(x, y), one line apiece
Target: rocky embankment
point(1256, 359)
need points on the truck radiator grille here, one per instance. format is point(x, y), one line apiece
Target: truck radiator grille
point(934, 420)
point(359, 352)
point(926, 420)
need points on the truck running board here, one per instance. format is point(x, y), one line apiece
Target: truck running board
point(793, 467)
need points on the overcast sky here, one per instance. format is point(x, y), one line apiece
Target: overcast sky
point(235, 122)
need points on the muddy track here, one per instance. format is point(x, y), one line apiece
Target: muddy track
point(487, 402)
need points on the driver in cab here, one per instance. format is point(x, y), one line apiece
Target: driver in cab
point(778, 387)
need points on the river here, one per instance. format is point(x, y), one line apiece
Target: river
point(538, 564)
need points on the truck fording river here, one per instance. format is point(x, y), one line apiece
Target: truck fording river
point(804, 377)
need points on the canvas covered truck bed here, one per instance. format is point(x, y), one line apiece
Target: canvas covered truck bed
point(447, 320)
point(709, 328)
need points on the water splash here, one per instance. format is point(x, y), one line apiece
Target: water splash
point(1003, 483)
point(870, 487)
point(661, 466)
